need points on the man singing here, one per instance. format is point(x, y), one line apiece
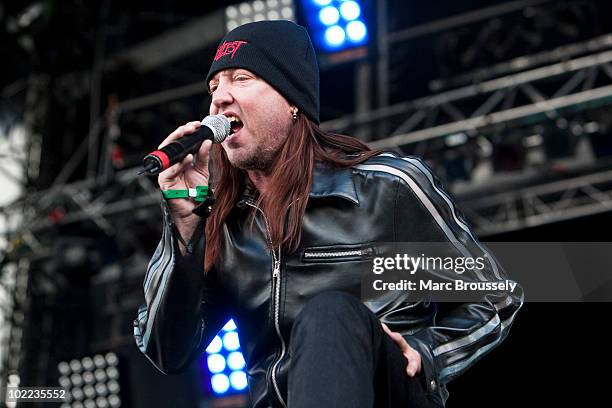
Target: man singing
point(296, 212)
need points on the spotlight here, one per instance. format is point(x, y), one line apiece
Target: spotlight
point(114, 401)
point(329, 15)
point(112, 373)
point(336, 25)
point(229, 326)
point(216, 363)
point(356, 31)
point(235, 360)
point(215, 345)
point(238, 380)
point(258, 10)
point(84, 381)
point(77, 394)
point(64, 382)
point(75, 366)
point(88, 377)
point(100, 375)
point(113, 387)
point(101, 389)
point(224, 362)
point(99, 361)
point(111, 359)
point(76, 380)
point(230, 341)
point(87, 363)
point(350, 10)
point(334, 36)
point(220, 383)
point(63, 368)
point(102, 402)
point(89, 391)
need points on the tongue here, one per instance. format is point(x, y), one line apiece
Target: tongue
point(236, 126)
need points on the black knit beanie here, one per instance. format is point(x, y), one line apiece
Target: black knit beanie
point(281, 53)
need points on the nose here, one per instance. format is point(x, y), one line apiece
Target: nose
point(220, 98)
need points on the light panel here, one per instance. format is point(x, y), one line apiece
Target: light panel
point(224, 363)
point(258, 10)
point(336, 25)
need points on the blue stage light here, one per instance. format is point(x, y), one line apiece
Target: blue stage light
point(215, 345)
point(235, 360)
point(216, 363)
point(334, 36)
point(224, 362)
point(230, 341)
point(356, 31)
point(350, 10)
point(337, 25)
point(329, 15)
point(220, 383)
point(229, 326)
point(238, 380)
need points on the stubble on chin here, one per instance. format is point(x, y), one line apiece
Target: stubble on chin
point(260, 159)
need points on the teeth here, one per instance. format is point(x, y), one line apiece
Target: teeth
point(233, 118)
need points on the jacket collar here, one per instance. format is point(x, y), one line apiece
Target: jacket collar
point(331, 181)
point(328, 181)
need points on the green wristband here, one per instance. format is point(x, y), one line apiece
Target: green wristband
point(199, 193)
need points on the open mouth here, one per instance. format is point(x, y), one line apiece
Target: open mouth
point(235, 123)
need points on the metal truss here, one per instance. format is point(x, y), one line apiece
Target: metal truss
point(14, 281)
point(507, 211)
point(31, 218)
point(523, 63)
point(479, 109)
point(539, 93)
point(526, 97)
point(542, 204)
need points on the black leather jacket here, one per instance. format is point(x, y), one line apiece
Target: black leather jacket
point(385, 199)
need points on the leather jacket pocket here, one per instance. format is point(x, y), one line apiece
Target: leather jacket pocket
point(338, 253)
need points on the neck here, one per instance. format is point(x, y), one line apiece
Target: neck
point(259, 179)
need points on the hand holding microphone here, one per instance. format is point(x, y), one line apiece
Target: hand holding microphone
point(191, 169)
point(213, 127)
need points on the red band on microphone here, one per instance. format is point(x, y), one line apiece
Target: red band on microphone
point(163, 157)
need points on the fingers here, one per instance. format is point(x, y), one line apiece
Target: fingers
point(200, 163)
point(413, 356)
point(180, 131)
point(173, 173)
point(414, 362)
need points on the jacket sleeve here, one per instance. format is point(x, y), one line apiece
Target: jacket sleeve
point(183, 310)
point(461, 333)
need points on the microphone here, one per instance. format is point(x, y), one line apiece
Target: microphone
point(214, 127)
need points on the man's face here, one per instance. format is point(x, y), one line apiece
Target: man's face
point(264, 114)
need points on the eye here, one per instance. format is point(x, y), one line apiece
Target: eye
point(241, 77)
point(212, 88)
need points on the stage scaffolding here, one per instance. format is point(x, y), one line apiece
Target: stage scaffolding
point(565, 82)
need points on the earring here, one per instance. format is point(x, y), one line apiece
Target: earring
point(294, 113)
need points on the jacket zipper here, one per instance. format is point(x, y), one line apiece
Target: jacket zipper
point(335, 254)
point(276, 282)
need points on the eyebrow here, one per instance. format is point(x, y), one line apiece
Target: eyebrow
point(216, 77)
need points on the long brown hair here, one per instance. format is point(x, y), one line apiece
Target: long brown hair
point(289, 186)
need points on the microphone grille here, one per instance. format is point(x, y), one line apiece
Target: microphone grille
point(219, 125)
